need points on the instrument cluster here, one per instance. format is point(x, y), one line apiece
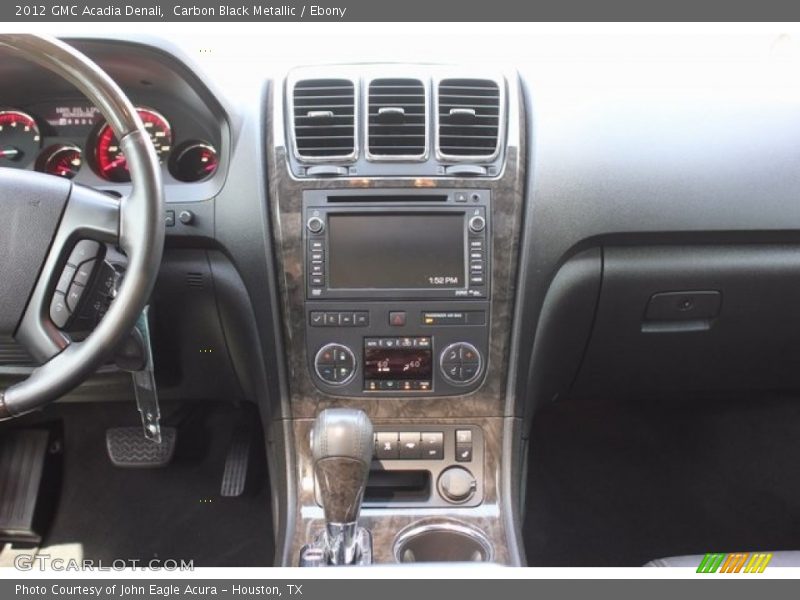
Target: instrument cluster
point(66, 139)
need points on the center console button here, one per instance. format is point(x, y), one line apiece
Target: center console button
point(432, 445)
point(361, 319)
point(346, 319)
point(397, 318)
point(317, 318)
point(451, 355)
point(409, 445)
point(386, 446)
point(331, 319)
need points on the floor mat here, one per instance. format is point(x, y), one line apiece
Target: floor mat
point(174, 512)
point(621, 485)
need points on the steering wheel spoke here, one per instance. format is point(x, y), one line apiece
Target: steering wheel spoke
point(90, 219)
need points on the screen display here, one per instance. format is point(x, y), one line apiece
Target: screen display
point(397, 364)
point(400, 250)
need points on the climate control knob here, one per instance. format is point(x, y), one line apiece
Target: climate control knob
point(335, 364)
point(461, 363)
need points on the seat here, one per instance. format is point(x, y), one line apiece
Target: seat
point(779, 559)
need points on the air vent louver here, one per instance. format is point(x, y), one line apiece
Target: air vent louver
point(396, 123)
point(324, 118)
point(469, 118)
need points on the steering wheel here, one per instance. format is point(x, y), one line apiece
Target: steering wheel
point(43, 217)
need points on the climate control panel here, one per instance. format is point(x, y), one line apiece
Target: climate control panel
point(385, 349)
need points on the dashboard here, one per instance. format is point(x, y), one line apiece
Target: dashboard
point(443, 247)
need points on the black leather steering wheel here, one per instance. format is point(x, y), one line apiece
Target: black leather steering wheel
point(42, 217)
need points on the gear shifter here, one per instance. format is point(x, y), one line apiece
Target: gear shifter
point(342, 445)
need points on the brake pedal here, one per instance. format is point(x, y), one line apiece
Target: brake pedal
point(128, 449)
point(234, 478)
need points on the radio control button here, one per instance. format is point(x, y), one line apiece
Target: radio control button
point(315, 246)
point(476, 279)
point(317, 280)
point(317, 256)
point(461, 197)
point(316, 225)
point(316, 268)
point(476, 266)
point(476, 244)
point(361, 319)
point(317, 319)
point(346, 319)
point(332, 319)
point(477, 224)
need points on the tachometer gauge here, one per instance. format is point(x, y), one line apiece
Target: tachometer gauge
point(19, 138)
point(64, 160)
point(194, 161)
point(110, 163)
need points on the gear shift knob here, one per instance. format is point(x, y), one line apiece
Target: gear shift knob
point(342, 446)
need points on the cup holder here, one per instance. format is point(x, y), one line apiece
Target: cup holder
point(442, 542)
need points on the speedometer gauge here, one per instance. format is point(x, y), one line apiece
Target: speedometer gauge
point(19, 138)
point(110, 163)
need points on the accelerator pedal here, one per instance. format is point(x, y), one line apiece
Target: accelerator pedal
point(22, 463)
point(129, 449)
point(234, 478)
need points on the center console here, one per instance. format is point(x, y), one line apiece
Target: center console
point(396, 199)
point(397, 291)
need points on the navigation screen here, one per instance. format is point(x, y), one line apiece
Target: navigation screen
point(399, 251)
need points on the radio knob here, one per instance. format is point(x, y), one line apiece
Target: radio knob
point(335, 364)
point(315, 225)
point(477, 224)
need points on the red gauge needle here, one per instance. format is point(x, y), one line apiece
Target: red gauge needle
point(114, 163)
point(9, 152)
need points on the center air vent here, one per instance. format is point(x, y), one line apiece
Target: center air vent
point(396, 127)
point(469, 119)
point(324, 119)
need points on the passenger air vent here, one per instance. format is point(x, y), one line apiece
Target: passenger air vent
point(324, 112)
point(396, 126)
point(469, 119)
